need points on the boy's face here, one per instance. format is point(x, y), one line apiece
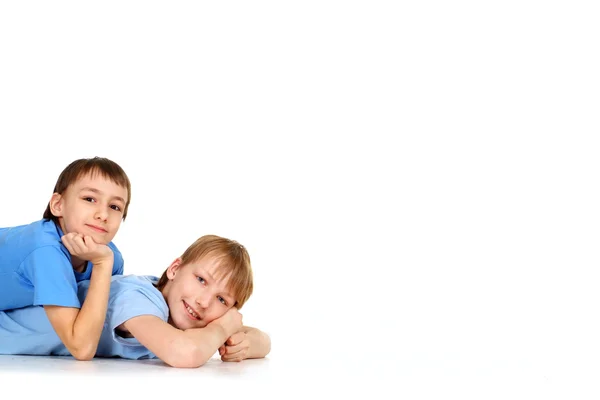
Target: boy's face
point(195, 298)
point(93, 205)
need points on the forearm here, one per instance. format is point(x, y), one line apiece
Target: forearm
point(88, 324)
point(260, 342)
point(204, 342)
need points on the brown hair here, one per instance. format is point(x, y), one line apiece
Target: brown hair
point(234, 261)
point(97, 165)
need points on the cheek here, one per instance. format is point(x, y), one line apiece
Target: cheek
point(71, 222)
point(216, 312)
point(190, 287)
point(115, 221)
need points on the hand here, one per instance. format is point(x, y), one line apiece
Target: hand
point(231, 321)
point(235, 348)
point(85, 248)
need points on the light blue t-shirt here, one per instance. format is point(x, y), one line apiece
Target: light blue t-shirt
point(35, 267)
point(28, 331)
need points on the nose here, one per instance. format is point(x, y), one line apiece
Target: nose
point(101, 214)
point(203, 299)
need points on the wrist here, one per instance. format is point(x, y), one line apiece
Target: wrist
point(219, 329)
point(103, 262)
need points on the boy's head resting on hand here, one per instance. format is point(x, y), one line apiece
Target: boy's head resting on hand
point(91, 197)
point(213, 275)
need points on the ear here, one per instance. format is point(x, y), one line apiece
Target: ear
point(173, 268)
point(56, 205)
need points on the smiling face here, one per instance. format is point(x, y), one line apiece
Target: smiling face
point(93, 205)
point(196, 293)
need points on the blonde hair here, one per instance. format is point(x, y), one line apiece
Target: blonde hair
point(234, 261)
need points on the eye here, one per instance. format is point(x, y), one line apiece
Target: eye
point(222, 300)
point(89, 199)
point(115, 207)
point(201, 279)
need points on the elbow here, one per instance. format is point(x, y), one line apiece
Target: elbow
point(191, 358)
point(185, 363)
point(263, 347)
point(188, 361)
point(264, 351)
point(83, 353)
point(267, 340)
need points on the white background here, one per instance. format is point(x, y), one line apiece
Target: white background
point(417, 184)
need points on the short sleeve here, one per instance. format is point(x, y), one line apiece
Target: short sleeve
point(133, 303)
point(51, 274)
point(118, 263)
point(118, 267)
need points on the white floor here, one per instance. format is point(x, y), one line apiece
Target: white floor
point(264, 378)
point(288, 378)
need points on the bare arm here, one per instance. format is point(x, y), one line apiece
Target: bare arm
point(183, 349)
point(260, 342)
point(80, 329)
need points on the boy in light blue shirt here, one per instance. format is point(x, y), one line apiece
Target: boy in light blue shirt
point(40, 263)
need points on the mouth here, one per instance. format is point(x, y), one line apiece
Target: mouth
point(190, 312)
point(97, 228)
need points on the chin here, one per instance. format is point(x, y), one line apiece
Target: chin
point(101, 239)
point(179, 325)
point(184, 323)
point(197, 324)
